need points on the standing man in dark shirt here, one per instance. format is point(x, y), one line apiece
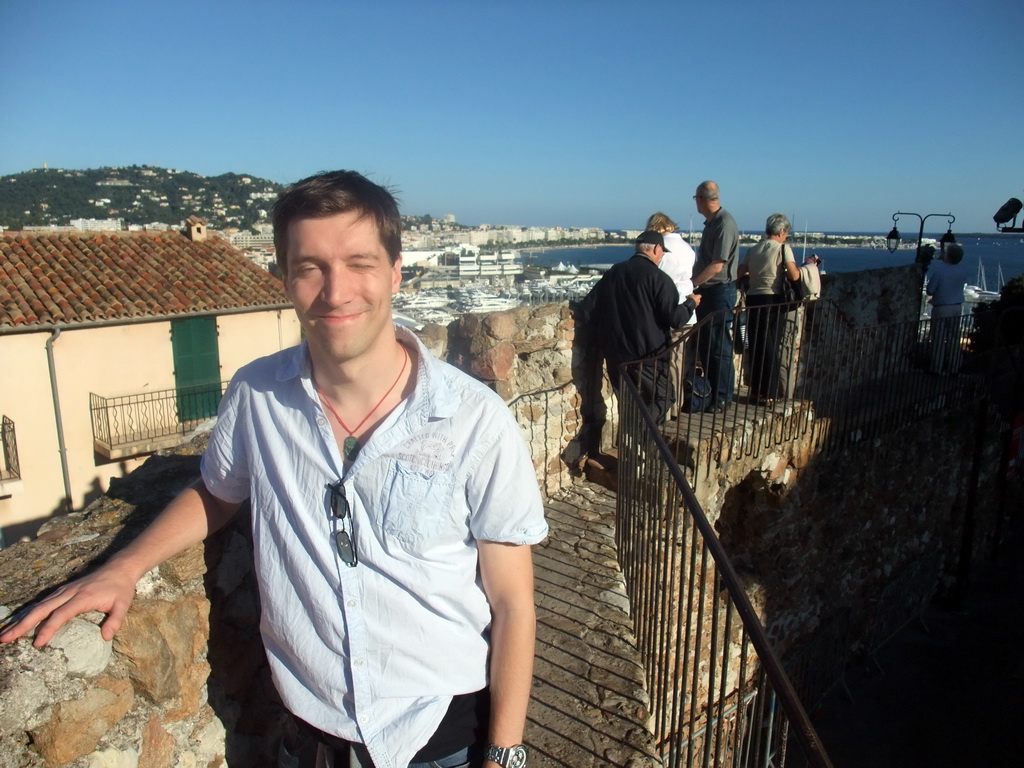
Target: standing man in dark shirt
point(631, 311)
point(714, 276)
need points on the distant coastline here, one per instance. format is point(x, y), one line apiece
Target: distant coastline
point(991, 251)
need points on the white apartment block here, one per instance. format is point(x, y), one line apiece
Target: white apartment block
point(505, 264)
point(98, 225)
point(247, 241)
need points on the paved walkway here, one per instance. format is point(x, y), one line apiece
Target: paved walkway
point(589, 703)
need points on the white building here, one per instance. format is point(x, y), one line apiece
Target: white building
point(98, 225)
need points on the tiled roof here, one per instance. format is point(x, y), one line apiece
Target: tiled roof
point(48, 278)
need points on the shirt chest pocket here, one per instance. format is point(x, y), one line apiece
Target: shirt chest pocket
point(416, 505)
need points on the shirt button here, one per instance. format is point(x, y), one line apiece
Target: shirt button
point(351, 603)
point(358, 662)
point(363, 719)
point(321, 421)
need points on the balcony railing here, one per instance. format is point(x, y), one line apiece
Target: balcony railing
point(10, 469)
point(134, 424)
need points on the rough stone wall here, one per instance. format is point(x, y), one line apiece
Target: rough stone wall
point(812, 534)
point(526, 355)
point(875, 296)
point(170, 690)
point(835, 552)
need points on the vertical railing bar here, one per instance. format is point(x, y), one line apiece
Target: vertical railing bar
point(723, 695)
point(682, 637)
point(691, 629)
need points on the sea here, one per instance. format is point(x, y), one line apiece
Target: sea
point(985, 256)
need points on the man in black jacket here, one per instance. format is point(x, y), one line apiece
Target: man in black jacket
point(629, 315)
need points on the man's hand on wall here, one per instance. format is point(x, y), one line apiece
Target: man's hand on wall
point(106, 590)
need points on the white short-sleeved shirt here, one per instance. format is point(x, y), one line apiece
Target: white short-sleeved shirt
point(374, 653)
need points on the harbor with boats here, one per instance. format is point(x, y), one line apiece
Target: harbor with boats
point(438, 294)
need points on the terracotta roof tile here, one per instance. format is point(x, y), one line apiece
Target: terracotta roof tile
point(48, 278)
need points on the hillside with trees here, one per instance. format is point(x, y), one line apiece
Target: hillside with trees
point(137, 194)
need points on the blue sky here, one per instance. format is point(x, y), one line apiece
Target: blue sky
point(549, 113)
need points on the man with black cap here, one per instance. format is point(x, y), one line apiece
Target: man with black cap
point(630, 313)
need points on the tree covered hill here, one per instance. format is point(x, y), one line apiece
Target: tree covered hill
point(138, 194)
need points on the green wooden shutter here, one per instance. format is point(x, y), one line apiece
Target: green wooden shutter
point(196, 367)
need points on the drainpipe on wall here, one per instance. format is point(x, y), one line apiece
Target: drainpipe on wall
point(63, 449)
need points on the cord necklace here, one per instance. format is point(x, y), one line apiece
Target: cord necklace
point(351, 445)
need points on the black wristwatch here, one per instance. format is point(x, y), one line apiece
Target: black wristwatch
point(509, 757)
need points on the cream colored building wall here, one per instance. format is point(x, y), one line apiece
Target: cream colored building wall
point(25, 398)
point(243, 338)
point(110, 361)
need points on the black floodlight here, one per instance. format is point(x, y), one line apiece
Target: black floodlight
point(1009, 211)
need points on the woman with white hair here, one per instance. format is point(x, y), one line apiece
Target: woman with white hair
point(767, 265)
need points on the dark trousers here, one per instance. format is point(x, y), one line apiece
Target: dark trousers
point(714, 346)
point(654, 380)
point(764, 331)
point(312, 748)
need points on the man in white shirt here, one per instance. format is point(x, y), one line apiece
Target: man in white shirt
point(393, 505)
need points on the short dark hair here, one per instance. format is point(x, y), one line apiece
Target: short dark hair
point(332, 192)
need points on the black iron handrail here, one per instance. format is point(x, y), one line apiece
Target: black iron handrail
point(719, 695)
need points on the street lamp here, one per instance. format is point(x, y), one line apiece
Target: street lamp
point(892, 240)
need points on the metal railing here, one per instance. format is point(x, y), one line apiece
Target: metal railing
point(802, 370)
point(536, 412)
point(719, 696)
point(10, 469)
point(129, 420)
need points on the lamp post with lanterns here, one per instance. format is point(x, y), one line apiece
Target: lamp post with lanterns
point(892, 240)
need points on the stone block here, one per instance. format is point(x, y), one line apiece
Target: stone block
point(532, 412)
point(435, 339)
point(777, 468)
point(503, 326)
point(157, 746)
point(113, 758)
point(23, 694)
point(505, 389)
point(76, 726)
point(209, 739)
point(86, 651)
point(467, 326)
point(185, 566)
point(496, 363)
point(160, 641)
point(192, 684)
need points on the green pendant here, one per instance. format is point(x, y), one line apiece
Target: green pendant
point(351, 448)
